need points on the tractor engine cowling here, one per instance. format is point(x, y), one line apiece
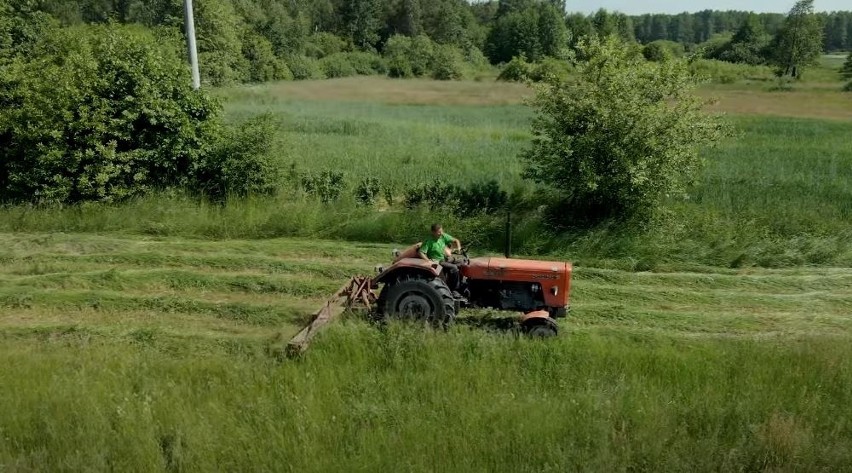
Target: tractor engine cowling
point(521, 285)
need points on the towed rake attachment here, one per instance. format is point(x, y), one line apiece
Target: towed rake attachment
point(357, 294)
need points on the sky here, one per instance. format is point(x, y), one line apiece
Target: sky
point(675, 6)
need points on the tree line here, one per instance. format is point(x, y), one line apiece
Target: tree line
point(259, 40)
point(696, 28)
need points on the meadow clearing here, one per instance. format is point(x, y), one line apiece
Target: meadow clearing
point(145, 336)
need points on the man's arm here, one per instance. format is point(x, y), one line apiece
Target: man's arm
point(422, 252)
point(455, 242)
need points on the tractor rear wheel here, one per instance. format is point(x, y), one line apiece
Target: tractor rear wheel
point(416, 299)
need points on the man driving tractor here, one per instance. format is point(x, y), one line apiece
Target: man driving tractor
point(435, 249)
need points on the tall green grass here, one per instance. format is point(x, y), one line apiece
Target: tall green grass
point(778, 194)
point(367, 400)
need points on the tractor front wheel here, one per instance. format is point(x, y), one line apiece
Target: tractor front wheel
point(540, 328)
point(421, 300)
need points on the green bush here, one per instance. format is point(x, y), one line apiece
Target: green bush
point(846, 69)
point(517, 70)
point(327, 186)
point(366, 64)
point(397, 54)
point(220, 51)
point(727, 73)
point(649, 106)
point(263, 64)
point(421, 55)
point(848, 87)
point(336, 65)
point(478, 198)
point(662, 50)
point(448, 63)
point(368, 190)
point(550, 68)
point(100, 113)
point(322, 44)
point(242, 162)
point(304, 68)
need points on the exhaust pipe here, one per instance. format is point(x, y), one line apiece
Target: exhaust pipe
point(508, 245)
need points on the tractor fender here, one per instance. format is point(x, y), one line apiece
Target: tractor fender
point(535, 316)
point(408, 266)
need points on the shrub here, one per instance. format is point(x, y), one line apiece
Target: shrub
point(481, 198)
point(662, 50)
point(366, 63)
point(336, 65)
point(304, 68)
point(713, 47)
point(436, 195)
point(421, 55)
point(397, 54)
point(407, 57)
point(846, 69)
point(325, 185)
point(368, 191)
point(649, 107)
point(100, 113)
point(848, 87)
point(727, 73)
point(517, 70)
point(242, 162)
point(448, 63)
point(478, 198)
point(263, 64)
point(474, 56)
point(322, 44)
point(550, 68)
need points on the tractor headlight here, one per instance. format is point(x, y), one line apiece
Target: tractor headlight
point(380, 269)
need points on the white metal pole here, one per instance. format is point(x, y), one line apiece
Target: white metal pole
point(189, 19)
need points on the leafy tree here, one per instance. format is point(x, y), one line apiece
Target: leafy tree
point(605, 23)
point(846, 70)
point(534, 32)
point(100, 113)
point(579, 27)
point(662, 50)
point(397, 56)
point(513, 34)
point(748, 45)
point(220, 49)
point(448, 63)
point(799, 42)
point(618, 137)
point(408, 18)
point(263, 64)
point(362, 20)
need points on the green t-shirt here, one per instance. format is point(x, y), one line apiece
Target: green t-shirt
point(434, 248)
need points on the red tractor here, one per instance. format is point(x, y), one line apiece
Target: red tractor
point(414, 289)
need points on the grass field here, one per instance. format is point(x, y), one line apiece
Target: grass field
point(141, 354)
point(146, 336)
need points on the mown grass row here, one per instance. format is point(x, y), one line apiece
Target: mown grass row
point(162, 354)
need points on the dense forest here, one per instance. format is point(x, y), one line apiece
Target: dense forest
point(259, 40)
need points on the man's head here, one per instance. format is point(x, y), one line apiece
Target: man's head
point(437, 230)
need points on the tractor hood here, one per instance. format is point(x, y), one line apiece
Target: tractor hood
point(495, 266)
